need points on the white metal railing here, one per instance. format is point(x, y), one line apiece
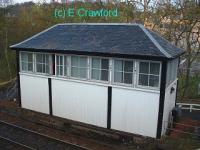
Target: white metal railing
point(188, 106)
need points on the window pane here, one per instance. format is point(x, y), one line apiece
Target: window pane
point(65, 71)
point(24, 56)
point(61, 70)
point(118, 65)
point(104, 75)
point(74, 72)
point(153, 81)
point(154, 68)
point(143, 79)
point(30, 57)
point(144, 67)
point(30, 66)
point(57, 60)
point(95, 74)
point(61, 60)
point(47, 69)
point(83, 72)
point(39, 68)
point(95, 63)
point(65, 65)
point(128, 78)
point(83, 62)
point(118, 77)
point(24, 66)
point(57, 70)
point(74, 61)
point(39, 58)
point(128, 66)
point(104, 64)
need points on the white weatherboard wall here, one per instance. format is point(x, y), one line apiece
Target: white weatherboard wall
point(80, 102)
point(135, 111)
point(169, 104)
point(34, 93)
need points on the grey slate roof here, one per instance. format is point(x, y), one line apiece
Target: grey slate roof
point(122, 39)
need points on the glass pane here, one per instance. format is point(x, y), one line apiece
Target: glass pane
point(83, 62)
point(61, 60)
point(104, 75)
point(104, 64)
point(65, 71)
point(95, 74)
point(57, 60)
point(43, 68)
point(61, 70)
point(57, 70)
point(39, 68)
point(43, 58)
point(30, 66)
point(143, 79)
point(153, 81)
point(24, 57)
point(144, 67)
point(65, 65)
point(83, 72)
point(74, 72)
point(118, 77)
point(128, 66)
point(24, 66)
point(118, 65)
point(74, 61)
point(30, 57)
point(47, 69)
point(128, 78)
point(47, 58)
point(96, 63)
point(39, 58)
point(154, 68)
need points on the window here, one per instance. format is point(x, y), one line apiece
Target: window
point(149, 74)
point(61, 65)
point(123, 71)
point(172, 68)
point(100, 69)
point(42, 63)
point(79, 67)
point(26, 61)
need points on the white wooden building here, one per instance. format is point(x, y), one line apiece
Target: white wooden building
point(116, 76)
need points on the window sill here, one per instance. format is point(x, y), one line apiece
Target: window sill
point(92, 82)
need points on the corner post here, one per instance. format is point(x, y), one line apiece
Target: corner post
point(18, 78)
point(162, 99)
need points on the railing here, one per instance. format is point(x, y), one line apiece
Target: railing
point(188, 106)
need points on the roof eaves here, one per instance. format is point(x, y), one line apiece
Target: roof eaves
point(126, 24)
point(12, 46)
point(155, 42)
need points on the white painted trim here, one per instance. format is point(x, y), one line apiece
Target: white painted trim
point(97, 24)
point(155, 42)
point(34, 36)
point(89, 82)
point(137, 75)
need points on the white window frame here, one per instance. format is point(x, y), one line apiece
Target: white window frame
point(90, 69)
point(64, 65)
point(50, 64)
point(137, 75)
point(113, 72)
point(20, 61)
point(87, 67)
